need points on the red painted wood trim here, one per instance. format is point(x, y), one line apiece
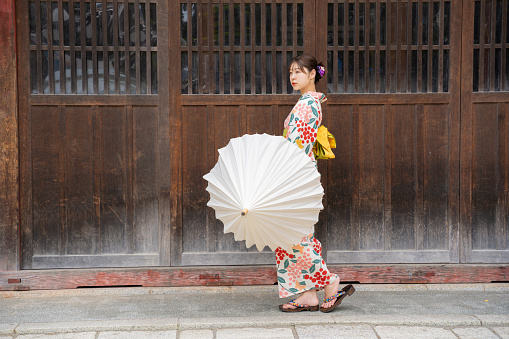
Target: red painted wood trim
point(248, 275)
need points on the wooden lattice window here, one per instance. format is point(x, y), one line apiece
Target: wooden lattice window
point(491, 39)
point(93, 47)
point(388, 46)
point(239, 47)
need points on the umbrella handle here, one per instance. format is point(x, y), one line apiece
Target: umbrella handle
point(244, 212)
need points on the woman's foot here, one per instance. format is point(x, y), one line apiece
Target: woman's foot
point(330, 290)
point(308, 298)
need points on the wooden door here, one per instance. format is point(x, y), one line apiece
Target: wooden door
point(234, 56)
point(393, 104)
point(94, 133)
point(484, 191)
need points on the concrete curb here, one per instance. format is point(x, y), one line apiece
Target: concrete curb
point(127, 291)
point(287, 320)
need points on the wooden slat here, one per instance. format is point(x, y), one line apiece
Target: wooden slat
point(264, 48)
point(409, 48)
point(346, 33)
point(148, 43)
point(253, 43)
point(232, 44)
point(356, 47)
point(482, 34)
point(398, 69)
point(72, 42)
point(211, 71)
point(335, 52)
point(377, 47)
point(49, 30)
point(430, 48)
point(95, 72)
point(116, 56)
point(127, 48)
point(441, 48)
point(84, 75)
point(106, 75)
point(503, 77)
point(242, 47)
point(367, 38)
point(221, 47)
point(93, 261)
point(493, 19)
point(38, 45)
point(61, 58)
point(137, 44)
point(419, 46)
point(149, 100)
point(273, 45)
point(388, 48)
point(386, 257)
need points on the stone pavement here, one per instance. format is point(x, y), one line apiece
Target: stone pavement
point(374, 311)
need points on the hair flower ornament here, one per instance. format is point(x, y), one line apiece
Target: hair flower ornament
point(321, 70)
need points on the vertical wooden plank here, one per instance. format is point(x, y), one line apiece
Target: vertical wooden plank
point(137, 44)
point(436, 182)
point(62, 180)
point(409, 47)
point(84, 77)
point(339, 183)
point(113, 207)
point(145, 191)
point(387, 177)
point(128, 178)
point(232, 47)
point(321, 52)
point(221, 47)
point(502, 171)
point(211, 226)
point(484, 176)
point(264, 48)
point(356, 154)
point(455, 115)
point(403, 181)
point(465, 193)
point(9, 165)
point(81, 234)
point(171, 20)
point(377, 47)
point(420, 155)
point(356, 47)
point(253, 42)
point(38, 14)
point(388, 47)
point(148, 44)
point(371, 177)
point(482, 51)
point(335, 45)
point(212, 70)
point(274, 45)
point(168, 77)
point(503, 77)
point(97, 169)
point(194, 197)
point(398, 32)
point(430, 47)
point(127, 48)
point(259, 120)
point(45, 189)
point(346, 33)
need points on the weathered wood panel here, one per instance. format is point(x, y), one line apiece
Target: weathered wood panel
point(261, 275)
point(9, 156)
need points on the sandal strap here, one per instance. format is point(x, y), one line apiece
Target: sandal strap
point(337, 295)
point(293, 303)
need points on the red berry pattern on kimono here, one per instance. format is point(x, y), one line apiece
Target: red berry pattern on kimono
point(302, 268)
point(304, 120)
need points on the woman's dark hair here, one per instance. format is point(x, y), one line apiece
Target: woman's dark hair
point(309, 62)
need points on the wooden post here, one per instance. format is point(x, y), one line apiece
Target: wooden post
point(9, 220)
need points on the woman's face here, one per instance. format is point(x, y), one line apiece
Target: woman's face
point(300, 79)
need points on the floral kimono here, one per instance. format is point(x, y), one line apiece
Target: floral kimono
point(302, 268)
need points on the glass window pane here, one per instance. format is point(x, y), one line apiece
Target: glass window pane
point(143, 72)
point(226, 58)
point(447, 22)
point(248, 24)
point(476, 70)
point(194, 23)
point(237, 71)
point(248, 72)
point(279, 72)
point(44, 24)
point(184, 72)
point(100, 73)
point(142, 25)
point(300, 24)
point(153, 25)
point(258, 72)
point(32, 23)
point(236, 16)
point(98, 23)
point(132, 72)
point(153, 76)
point(67, 59)
point(88, 25)
point(33, 72)
point(446, 71)
point(226, 25)
point(268, 24)
point(279, 25)
point(268, 72)
point(341, 28)
point(54, 23)
point(183, 24)
point(289, 24)
point(66, 18)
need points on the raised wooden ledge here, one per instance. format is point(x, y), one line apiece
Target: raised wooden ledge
point(246, 275)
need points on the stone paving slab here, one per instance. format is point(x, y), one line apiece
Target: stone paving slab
point(195, 334)
point(336, 332)
point(493, 319)
point(503, 332)
point(139, 335)
point(99, 325)
point(289, 319)
point(474, 333)
point(255, 333)
point(412, 320)
point(7, 328)
point(82, 335)
point(414, 332)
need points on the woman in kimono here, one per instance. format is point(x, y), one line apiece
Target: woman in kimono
point(301, 269)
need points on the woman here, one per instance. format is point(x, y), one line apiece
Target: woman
point(302, 269)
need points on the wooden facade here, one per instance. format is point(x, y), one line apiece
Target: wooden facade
point(120, 116)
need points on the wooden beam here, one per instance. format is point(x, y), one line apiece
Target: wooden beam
point(245, 275)
point(9, 220)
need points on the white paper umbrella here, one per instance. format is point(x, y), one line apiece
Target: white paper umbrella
point(265, 190)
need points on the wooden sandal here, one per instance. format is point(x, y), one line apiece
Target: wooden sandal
point(347, 290)
point(298, 307)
